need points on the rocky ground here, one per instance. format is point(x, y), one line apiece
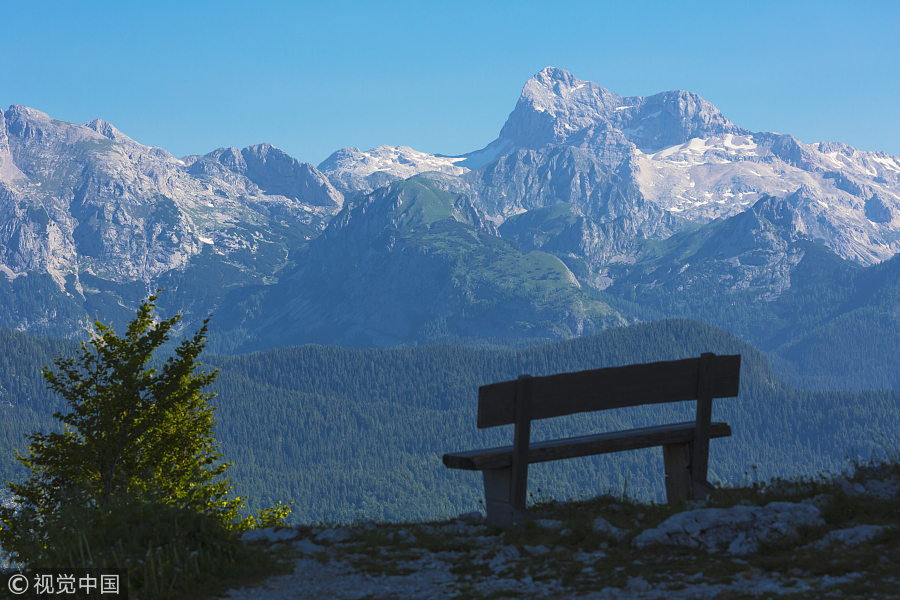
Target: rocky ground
point(813, 539)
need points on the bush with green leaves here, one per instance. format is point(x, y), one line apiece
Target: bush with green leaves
point(135, 469)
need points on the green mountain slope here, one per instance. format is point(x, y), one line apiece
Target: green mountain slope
point(413, 263)
point(855, 346)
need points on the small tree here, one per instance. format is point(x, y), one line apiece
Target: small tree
point(134, 434)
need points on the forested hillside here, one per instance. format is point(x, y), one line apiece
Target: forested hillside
point(25, 403)
point(360, 433)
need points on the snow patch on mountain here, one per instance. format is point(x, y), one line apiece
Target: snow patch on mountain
point(399, 161)
point(496, 149)
point(852, 195)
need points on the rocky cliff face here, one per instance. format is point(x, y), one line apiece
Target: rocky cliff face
point(82, 201)
point(272, 171)
point(849, 199)
point(556, 108)
point(573, 141)
point(754, 252)
point(677, 152)
point(89, 197)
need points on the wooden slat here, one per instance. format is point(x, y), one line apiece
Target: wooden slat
point(602, 389)
point(585, 445)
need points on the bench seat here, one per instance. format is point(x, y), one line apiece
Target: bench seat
point(584, 445)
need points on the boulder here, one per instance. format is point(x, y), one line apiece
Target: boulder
point(852, 536)
point(604, 527)
point(333, 536)
point(270, 534)
point(308, 546)
point(737, 530)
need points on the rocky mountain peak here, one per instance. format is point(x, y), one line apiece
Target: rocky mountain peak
point(17, 111)
point(355, 172)
point(231, 158)
point(556, 108)
point(781, 213)
point(26, 123)
point(553, 105)
point(108, 131)
point(134, 148)
point(555, 90)
point(277, 172)
point(671, 118)
point(273, 171)
point(8, 169)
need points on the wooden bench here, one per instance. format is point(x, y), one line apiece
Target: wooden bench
point(685, 445)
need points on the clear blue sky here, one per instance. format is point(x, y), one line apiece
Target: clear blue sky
point(441, 77)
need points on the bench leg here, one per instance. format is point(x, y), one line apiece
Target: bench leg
point(677, 459)
point(702, 489)
point(500, 507)
point(680, 482)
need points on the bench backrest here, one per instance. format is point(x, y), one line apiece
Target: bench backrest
point(615, 387)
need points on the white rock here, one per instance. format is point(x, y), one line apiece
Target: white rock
point(588, 557)
point(549, 524)
point(498, 564)
point(308, 546)
point(270, 534)
point(820, 501)
point(254, 535)
point(738, 530)
point(883, 489)
point(637, 583)
point(852, 536)
point(333, 536)
point(604, 527)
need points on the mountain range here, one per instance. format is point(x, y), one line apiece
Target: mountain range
point(589, 210)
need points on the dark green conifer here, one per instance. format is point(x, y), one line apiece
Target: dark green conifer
point(134, 436)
